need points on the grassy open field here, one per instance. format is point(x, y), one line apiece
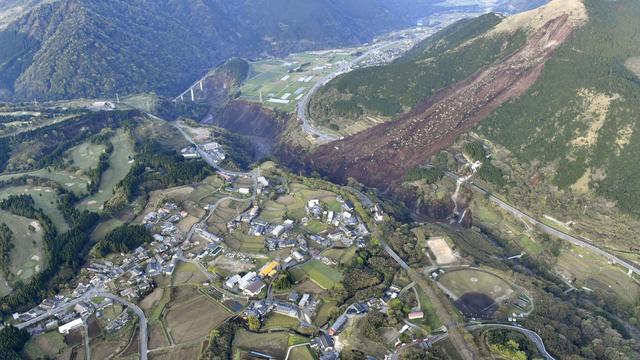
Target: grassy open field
point(593, 272)
point(274, 344)
point(44, 197)
point(302, 353)
point(50, 344)
point(323, 275)
point(192, 316)
point(71, 181)
point(104, 227)
point(26, 255)
point(119, 164)
point(322, 316)
point(86, 155)
point(460, 282)
point(430, 315)
point(342, 256)
point(188, 273)
point(278, 321)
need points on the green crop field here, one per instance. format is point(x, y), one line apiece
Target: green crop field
point(323, 275)
point(275, 78)
point(119, 165)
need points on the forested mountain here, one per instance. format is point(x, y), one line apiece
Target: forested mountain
point(571, 119)
point(70, 48)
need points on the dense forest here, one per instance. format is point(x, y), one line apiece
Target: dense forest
point(167, 168)
point(93, 48)
point(578, 122)
point(6, 245)
point(123, 239)
point(12, 341)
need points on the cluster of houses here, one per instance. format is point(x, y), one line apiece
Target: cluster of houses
point(252, 283)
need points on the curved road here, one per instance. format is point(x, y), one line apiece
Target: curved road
point(532, 335)
point(87, 297)
point(549, 230)
point(303, 104)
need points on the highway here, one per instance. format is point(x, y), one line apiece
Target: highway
point(87, 297)
point(547, 229)
point(302, 109)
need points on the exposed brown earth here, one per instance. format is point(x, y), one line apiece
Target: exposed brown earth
point(383, 154)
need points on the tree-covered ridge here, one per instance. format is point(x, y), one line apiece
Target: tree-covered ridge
point(580, 118)
point(46, 146)
point(94, 48)
point(123, 239)
point(444, 59)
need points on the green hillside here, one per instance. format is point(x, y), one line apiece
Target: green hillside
point(441, 60)
point(92, 48)
point(580, 120)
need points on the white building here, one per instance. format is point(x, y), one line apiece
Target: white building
point(246, 279)
point(64, 329)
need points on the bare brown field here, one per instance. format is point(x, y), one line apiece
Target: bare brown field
point(191, 351)
point(156, 336)
point(194, 319)
point(442, 251)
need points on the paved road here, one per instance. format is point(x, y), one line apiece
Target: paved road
point(87, 297)
point(303, 105)
point(429, 340)
point(87, 348)
point(293, 347)
point(142, 321)
point(549, 230)
point(532, 335)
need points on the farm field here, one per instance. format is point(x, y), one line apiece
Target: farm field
point(342, 256)
point(119, 164)
point(302, 353)
point(193, 318)
point(50, 344)
point(323, 275)
point(278, 321)
point(274, 344)
point(188, 273)
point(293, 204)
point(280, 85)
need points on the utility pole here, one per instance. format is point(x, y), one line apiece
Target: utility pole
point(117, 98)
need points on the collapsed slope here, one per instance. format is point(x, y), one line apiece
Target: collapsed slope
point(382, 154)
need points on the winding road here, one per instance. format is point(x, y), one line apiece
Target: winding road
point(532, 335)
point(302, 109)
point(579, 241)
point(87, 297)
